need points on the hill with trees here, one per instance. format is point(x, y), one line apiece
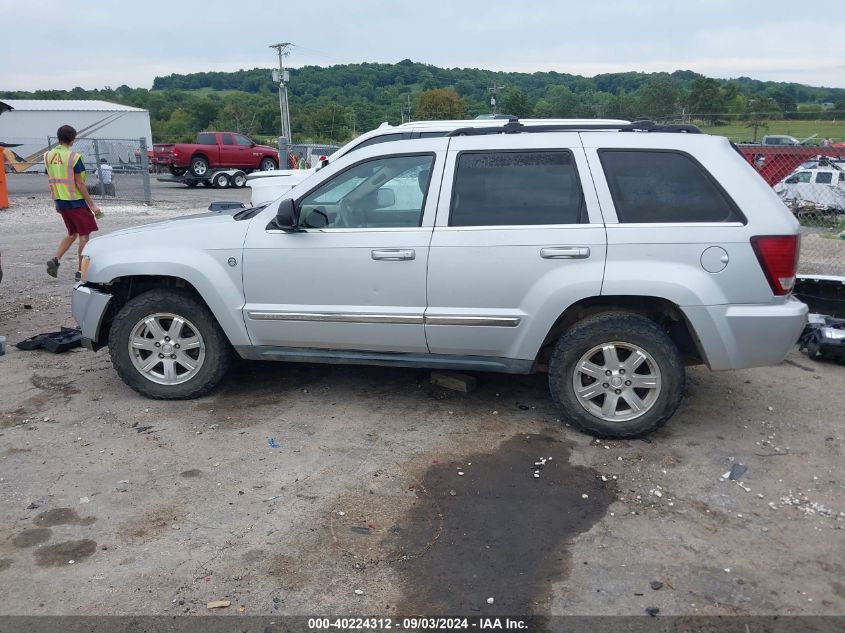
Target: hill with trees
point(332, 104)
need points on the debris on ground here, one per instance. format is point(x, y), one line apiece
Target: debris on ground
point(359, 592)
point(656, 585)
point(454, 381)
point(491, 600)
point(652, 611)
point(737, 471)
point(823, 338)
point(272, 443)
point(55, 342)
point(218, 604)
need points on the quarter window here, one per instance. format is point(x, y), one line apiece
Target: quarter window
point(516, 188)
point(381, 193)
point(658, 186)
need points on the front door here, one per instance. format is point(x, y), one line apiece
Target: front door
point(353, 277)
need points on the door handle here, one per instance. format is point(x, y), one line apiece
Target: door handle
point(565, 252)
point(394, 254)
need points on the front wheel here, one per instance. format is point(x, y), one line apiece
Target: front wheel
point(267, 164)
point(616, 375)
point(221, 181)
point(167, 345)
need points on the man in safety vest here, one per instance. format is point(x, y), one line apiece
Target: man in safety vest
point(66, 175)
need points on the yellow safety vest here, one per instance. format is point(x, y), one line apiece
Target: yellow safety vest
point(60, 162)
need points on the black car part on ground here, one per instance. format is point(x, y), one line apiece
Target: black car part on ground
point(823, 337)
point(55, 342)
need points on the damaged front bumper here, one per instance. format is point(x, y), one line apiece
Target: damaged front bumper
point(89, 307)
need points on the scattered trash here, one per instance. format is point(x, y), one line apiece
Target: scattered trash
point(652, 611)
point(490, 600)
point(273, 498)
point(360, 530)
point(27, 306)
point(218, 604)
point(454, 381)
point(84, 500)
point(359, 592)
point(34, 505)
point(656, 585)
point(523, 407)
point(585, 496)
point(727, 570)
point(242, 608)
point(452, 493)
point(737, 471)
point(141, 429)
point(2, 345)
point(460, 472)
point(271, 442)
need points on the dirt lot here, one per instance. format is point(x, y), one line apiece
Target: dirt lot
point(110, 503)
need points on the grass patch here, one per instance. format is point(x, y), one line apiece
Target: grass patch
point(799, 129)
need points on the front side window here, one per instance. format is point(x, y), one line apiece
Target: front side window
point(381, 193)
point(650, 186)
point(227, 139)
point(516, 188)
point(824, 177)
point(243, 141)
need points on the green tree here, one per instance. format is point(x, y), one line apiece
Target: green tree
point(658, 97)
point(440, 103)
point(517, 103)
point(706, 99)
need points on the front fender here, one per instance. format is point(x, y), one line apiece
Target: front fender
point(218, 282)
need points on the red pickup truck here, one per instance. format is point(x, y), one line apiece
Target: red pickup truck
point(214, 149)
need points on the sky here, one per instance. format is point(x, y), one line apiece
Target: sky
point(53, 44)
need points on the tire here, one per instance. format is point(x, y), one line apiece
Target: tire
point(209, 350)
point(199, 166)
point(177, 171)
point(220, 181)
point(579, 354)
point(267, 164)
point(239, 179)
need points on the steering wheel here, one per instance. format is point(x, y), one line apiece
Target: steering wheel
point(350, 216)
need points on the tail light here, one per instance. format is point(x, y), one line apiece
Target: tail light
point(778, 257)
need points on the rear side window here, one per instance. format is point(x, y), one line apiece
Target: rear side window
point(516, 188)
point(650, 186)
point(824, 177)
point(206, 138)
point(375, 140)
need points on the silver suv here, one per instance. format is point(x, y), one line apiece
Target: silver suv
point(607, 255)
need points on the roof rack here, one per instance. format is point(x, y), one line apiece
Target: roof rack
point(513, 126)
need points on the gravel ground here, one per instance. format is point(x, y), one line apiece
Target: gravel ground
point(113, 504)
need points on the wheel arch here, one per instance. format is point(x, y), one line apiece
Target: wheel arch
point(124, 288)
point(663, 312)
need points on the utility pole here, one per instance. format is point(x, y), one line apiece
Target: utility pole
point(281, 77)
point(495, 90)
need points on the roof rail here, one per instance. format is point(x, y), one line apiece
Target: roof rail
point(513, 126)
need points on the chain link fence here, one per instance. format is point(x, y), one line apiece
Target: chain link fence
point(118, 169)
point(811, 182)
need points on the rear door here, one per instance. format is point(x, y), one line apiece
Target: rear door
point(229, 152)
point(519, 237)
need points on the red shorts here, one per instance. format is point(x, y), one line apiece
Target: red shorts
point(79, 221)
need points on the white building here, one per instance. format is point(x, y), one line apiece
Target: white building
point(33, 123)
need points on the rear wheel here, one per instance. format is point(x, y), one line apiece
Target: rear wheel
point(167, 345)
point(199, 166)
point(616, 375)
point(267, 164)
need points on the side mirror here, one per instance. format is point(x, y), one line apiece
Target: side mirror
point(385, 198)
point(285, 219)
